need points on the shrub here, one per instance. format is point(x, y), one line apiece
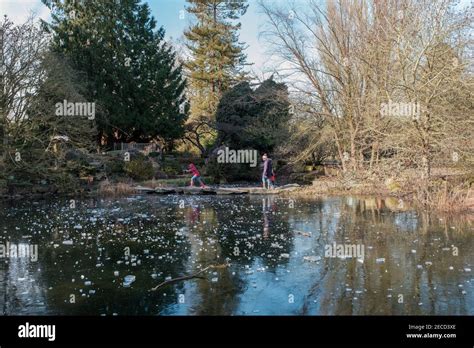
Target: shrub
point(3, 186)
point(226, 172)
point(139, 168)
point(115, 167)
point(444, 196)
point(172, 167)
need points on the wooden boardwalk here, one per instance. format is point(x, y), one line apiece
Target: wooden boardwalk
point(216, 190)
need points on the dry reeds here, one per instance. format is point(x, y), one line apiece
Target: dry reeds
point(108, 189)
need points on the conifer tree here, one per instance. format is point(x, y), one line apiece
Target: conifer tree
point(131, 71)
point(217, 58)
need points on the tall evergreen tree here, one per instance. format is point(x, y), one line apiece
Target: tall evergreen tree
point(131, 72)
point(217, 57)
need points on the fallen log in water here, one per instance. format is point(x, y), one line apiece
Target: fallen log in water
point(188, 190)
point(195, 275)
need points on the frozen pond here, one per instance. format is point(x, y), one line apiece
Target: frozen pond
point(102, 257)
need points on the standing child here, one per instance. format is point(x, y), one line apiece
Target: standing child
point(196, 178)
point(267, 172)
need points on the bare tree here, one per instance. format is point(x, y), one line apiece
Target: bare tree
point(351, 57)
point(21, 73)
point(34, 80)
point(430, 60)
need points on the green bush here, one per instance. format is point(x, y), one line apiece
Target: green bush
point(115, 167)
point(154, 154)
point(3, 186)
point(302, 178)
point(226, 172)
point(139, 168)
point(172, 167)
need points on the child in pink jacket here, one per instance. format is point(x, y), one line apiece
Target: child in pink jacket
point(196, 178)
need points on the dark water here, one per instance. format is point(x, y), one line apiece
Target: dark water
point(412, 262)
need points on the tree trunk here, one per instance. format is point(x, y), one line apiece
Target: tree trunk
point(340, 152)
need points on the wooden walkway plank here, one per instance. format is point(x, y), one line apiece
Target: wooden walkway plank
point(216, 190)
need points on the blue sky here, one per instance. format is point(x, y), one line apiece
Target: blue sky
point(167, 14)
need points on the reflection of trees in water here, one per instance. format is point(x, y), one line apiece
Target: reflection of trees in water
point(169, 256)
point(17, 290)
point(104, 242)
point(259, 229)
point(210, 231)
point(20, 286)
point(250, 226)
point(212, 298)
point(393, 237)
